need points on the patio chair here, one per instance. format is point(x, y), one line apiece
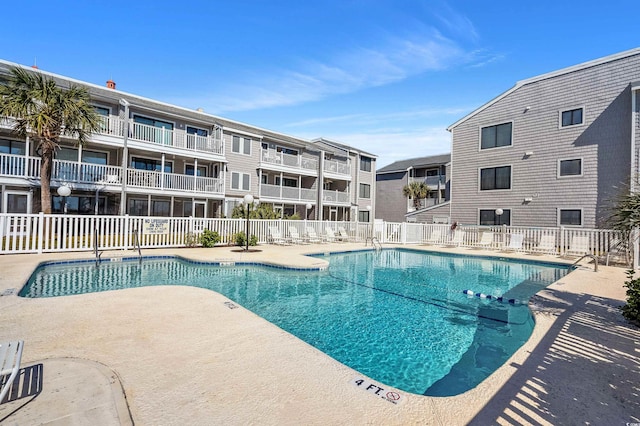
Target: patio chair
point(486, 240)
point(515, 242)
point(331, 236)
point(312, 236)
point(342, 233)
point(436, 237)
point(547, 244)
point(276, 236)
point(579, 245)
point(457, 239)
point(10, 357)
point(295, 236)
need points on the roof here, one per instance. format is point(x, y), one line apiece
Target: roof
point(563, 71)
point(333, 145)
point(420, 162)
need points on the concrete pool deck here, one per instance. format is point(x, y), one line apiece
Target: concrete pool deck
point(179, 355)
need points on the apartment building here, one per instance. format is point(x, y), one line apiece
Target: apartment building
point(434, 171)
point(554, 150)
point(155, 159)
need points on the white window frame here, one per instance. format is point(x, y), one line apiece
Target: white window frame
point(240, 181)
point(480, 149)
point(480, 190)
point(360, 185)
point(558, 214)
point(206, 168)
point(571, 126)
point(243, 141)
point(559, 176)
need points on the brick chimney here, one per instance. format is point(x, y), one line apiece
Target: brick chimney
point(111, 84)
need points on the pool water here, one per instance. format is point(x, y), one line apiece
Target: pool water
point(400, 317)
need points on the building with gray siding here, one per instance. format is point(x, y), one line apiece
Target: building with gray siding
point(554, 150)
point(155, 159)
point(393, 206)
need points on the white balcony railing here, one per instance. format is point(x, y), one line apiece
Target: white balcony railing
point(270, 156)
point(20, 166)
point(287, 193)
point(338, 167)
point(334, 197)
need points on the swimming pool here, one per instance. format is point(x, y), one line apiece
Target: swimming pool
point(401, 317)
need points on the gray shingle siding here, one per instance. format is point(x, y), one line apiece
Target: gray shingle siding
point(603, 142)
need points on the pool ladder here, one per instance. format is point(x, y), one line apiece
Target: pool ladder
point(95, 246)
point(595, 261)
point(375, 243)
point(136, 244)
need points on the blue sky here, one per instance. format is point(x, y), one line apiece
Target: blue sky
point(387, 77)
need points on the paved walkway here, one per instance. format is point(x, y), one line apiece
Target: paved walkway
point(180, 355)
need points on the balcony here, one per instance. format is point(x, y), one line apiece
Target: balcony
point(339, 168)
point(335, 197)
point(270, 157)
point(19, 166)
point(433, 182)
point(287, 193)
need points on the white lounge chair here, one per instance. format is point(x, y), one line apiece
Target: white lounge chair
point(436, 237)
point(457, 239)
point(515, 242)
point(331, 236)
point(312, 235)
point(276, 236)
point(10, 356)
point(547, 244)
point(295, 236)
point(486, 240)
point(579, 245)
point(343, 234)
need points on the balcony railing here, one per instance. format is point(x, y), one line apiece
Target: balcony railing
point(338, 197)
point(431, 181)
point(20, 166)
point(175, 138)
point(338, 167)
point(270, 156)
point(287, 193)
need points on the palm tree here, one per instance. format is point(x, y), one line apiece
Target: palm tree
point(417, 191)
point(45, 111)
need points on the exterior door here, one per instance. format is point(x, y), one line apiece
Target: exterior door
point(16, 202)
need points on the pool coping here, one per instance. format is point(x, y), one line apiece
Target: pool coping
point(415, 408)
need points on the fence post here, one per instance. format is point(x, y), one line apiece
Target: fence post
point(403, 232)
point(127, 232)
point(40, 232)
point(562, 240)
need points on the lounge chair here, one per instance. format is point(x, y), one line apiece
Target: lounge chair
point(276, 236)
point(547, 244)
point(515, 242)
point(312, 236)
point(331, 236)
point(436, 237)
point(579, 245)
point(486, 240)
point(10, 356)
point(295, 236)
point(457, 239)
point(342, 233)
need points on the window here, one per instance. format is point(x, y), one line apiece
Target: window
point(240, 181)
point(137, 207)
point(12, 147)
point(495, 136)
point(78, 205)
point(571, 217)
point(495, 178)
point(152, 130)
point(241, 145)
point(365, 190)
point(104, 117)
point(196, 131)
point(571, 167)
point(489, 217)
point(94, 157)
point(189, 170)
point(149, 164)
point(571, 117)
point(286, 150)
point(363, 215)
point(291, 183)
point(365, 164)
point(160, 208)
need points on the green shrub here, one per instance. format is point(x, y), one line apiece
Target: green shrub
point(209, 238)
point(631, 310)
point(240, 240)
point(190, 239)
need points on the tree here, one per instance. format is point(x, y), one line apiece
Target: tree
point(417, 191)
point(45, 111)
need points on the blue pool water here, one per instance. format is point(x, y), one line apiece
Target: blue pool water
point(398, 316)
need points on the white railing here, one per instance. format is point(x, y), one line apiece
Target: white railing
point(338, 167)
point(40, 233)
point(176, 138)
point(72, 171)
point(287, 193)
point(19, 166)
point(338, 197)
point(271, 156)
